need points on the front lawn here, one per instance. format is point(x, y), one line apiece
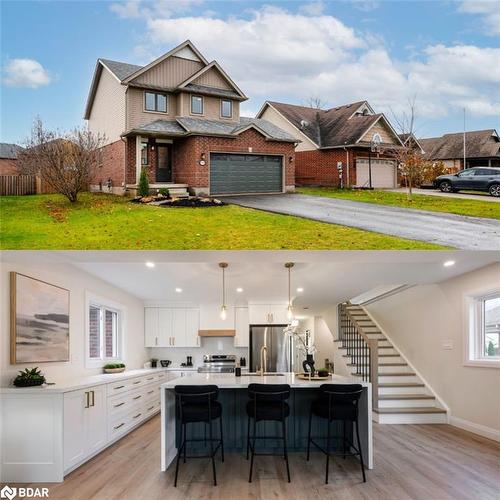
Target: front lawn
point(460, 206)
point(107, 222)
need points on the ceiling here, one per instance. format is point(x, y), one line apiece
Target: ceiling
point(326, 277)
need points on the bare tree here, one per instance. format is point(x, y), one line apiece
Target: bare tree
point(65, 161)
point(315, 103)
point(410, 159)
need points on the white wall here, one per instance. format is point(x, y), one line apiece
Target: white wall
point(420, 319)
point(78, 282)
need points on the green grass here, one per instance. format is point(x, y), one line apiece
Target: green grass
point(101, 221)
point(460, 206)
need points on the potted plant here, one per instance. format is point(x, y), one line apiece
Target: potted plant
point(29, 378)
point(114, 368)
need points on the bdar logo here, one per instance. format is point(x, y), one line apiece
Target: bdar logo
point(8, 492)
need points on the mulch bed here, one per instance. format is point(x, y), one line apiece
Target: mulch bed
point(191, 202)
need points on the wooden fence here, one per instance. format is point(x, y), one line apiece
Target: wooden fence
point(20, 185)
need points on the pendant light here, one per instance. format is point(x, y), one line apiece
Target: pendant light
point(289, 308)
point(223, 308)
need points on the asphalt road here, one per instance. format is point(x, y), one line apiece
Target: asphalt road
point(457, 231)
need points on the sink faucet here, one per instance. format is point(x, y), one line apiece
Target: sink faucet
point(263, 360)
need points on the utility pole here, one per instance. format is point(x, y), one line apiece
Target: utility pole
point(465, 165)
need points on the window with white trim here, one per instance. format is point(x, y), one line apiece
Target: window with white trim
point(484, 329)
point(104, 332)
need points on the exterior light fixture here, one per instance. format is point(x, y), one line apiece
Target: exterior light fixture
point(223, 308)
point(289, 309)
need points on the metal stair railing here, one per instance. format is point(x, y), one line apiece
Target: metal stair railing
point(362, 350)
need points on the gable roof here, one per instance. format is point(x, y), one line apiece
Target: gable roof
point(120, 70)
point(331, 128)
point(170, 53)
point(184, 126)
point(9, 151)
point(411, 138)
point(478, 144)
point(213, 64)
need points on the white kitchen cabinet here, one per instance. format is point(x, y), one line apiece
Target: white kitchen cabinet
point(85, 430)
point(165, 327)
point(268, 314)
point(242, 327)
point(210, 318)
point(192, 339)
point(151, 327)
point(178, 327)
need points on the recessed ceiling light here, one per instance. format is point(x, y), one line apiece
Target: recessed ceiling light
point(150, 264)
point(449, 263)
point(300, 289)
point(178, 290)
point(239, 289)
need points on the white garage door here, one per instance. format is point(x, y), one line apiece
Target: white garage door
point(383, 173)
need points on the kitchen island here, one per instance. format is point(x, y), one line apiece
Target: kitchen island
point(233, 397)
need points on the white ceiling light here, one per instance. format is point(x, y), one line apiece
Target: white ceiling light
point(449, 263)
point(300, 289)
point(289, 308)
point(239, 290)
point(223, 308)
point(178, 290)
point(150, 264)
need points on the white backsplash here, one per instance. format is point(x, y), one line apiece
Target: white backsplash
point(209, 345)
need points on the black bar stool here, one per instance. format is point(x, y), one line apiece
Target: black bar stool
point(337, 402)
point(267, 402)
point(198, 403)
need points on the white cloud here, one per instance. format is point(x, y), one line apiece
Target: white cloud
point(158, 8)
point(489, 10)
point(25, 73)
point(273, 53)
point(312, 8)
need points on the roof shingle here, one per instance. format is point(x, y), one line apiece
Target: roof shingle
point(9, 151)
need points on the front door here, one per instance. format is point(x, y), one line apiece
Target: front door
point(163, 163)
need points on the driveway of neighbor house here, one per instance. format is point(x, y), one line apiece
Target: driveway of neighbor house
point(431, 192)
point(462, 232)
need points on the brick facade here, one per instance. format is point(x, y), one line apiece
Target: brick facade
point(319, 167)
point(111, 168)
point(188, 151)
point(8, 167)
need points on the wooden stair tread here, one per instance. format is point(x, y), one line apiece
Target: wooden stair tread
point(386, 397)
point(401, 384)
point(396, 374)
point(388, 355)
point(416, 409)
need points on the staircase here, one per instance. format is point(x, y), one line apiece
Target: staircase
point(399, 395)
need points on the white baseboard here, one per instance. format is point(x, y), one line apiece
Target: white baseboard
point(482, 430)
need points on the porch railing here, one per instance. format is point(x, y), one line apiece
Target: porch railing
point(362, 351)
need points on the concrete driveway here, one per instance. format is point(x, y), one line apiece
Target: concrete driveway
point(464, 196)
point(466, 233)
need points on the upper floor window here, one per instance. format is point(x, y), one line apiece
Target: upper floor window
point(104, 331)
point(196, 105)
point(226, 108)
point(154, 101)
point(484, 329)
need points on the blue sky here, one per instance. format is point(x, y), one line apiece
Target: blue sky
point(446, 54)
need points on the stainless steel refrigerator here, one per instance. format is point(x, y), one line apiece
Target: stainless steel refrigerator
point(280, 355)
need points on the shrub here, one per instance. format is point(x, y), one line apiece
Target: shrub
point(143, 188)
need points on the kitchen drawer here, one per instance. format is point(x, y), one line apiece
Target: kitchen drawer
point(123, 402)
point(121, 424)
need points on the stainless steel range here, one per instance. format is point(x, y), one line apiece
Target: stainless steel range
point(218, 363)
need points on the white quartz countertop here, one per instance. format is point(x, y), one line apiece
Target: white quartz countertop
point(230, 381)
point(182, 368)
point(74, 384)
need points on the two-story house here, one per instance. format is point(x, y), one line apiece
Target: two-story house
point(349, 145)
point(179, 118)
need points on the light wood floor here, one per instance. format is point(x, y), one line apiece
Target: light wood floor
point(431, 462)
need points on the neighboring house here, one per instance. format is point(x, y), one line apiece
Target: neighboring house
point(344, 134)
point(179, 118)
point(410, 141)
point(8, 158)
point(482, 148)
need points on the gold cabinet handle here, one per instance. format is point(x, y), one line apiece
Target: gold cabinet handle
point(150, 408)
point(138, 382)
point(119, 404)
point(118, 426)
point(87, 400)
point(137, 397)
point(93, 398)
point(137, 416)
point(150, 378)
point(150, 392)
point(119, 387)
